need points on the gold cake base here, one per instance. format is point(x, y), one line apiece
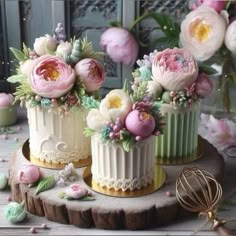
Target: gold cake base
point(180, 160)
point(159, 180)
point(50, 165)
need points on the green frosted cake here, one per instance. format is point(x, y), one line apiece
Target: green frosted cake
point(173, 79)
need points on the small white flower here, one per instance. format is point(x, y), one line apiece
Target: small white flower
point(95, 120)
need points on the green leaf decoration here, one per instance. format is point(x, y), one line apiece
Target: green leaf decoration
point(140, 93)
point(23, 89)
point(90, 102)
point(86, 50)
point(88, 132)
point(207, 69)
point(19, 55)
point(126, 86)
point(45, 184)
point(25, 50)
point(116, 24)
point(15, 78)
point(127, 144)
point(61, 195)
point(87, 198)
point(166, 42)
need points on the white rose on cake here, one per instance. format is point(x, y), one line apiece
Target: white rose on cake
point(95, 120)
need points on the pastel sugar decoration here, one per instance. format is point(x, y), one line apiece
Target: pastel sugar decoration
point(15, 212)
point(28, 174)
point(3, 181)
point(6, 100)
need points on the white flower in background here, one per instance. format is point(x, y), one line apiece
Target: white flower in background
point(230, 37)
point(202, 32)
point(26, 67)
point(154, 89)
point(116, 104)
point(64, 48)
point(95, 120)
point(219, 132)
point(43, 43)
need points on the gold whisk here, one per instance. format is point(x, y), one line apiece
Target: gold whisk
point(199, 191)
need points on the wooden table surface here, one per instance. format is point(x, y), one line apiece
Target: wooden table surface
point(180, 227)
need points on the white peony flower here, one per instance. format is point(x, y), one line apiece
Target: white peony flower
point(116, 104)
point(95, 120)
point(230, 37)
point(43, 43)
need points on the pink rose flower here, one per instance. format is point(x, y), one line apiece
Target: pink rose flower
point(76, 191)
point(175, 69)
point(199, 33)
point(120, 45)
point(91, 73)
point(217, 5)
point(28, 174)
point(51, 77)
point(204, 85)
point(6, 100)
point(43, 43)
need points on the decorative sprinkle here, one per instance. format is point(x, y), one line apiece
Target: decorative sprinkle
point(44, 226)
point(5, 136)
point(9, 198)
point(168, 193)
point(2, 159)
point(16, 139)
point(33, 230)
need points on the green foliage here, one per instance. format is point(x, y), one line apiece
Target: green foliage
point(140, 92)
point(90, 102)
point(45, 184)
point(88, 132)
point(23, 89)
point(16, 78)
point(116, 24)
point(128, 143)
point(207, 69)
point(19, 55)
point(86, 50)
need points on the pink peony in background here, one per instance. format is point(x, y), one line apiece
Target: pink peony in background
point(91, 74)
point(217, 5)
point(174, 69)
point(204, 85)
point(120, 45)
point(6, 100)
point(51, 77)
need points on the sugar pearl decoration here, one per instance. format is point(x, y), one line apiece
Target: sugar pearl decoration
point(3, 181)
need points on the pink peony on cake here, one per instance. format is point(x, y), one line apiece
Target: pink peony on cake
point(176, 82)
point(123, 146)
point(56, 78)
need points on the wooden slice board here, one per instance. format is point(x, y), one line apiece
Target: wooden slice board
point(108, 212)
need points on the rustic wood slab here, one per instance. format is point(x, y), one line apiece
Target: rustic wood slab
point(107, 212)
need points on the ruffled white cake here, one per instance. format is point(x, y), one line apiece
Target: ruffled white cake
point(114, 168)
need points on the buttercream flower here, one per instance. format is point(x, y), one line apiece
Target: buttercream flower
point(140, 123)
point(91, 73)
point(76, 191)
point(28, 174)
point(217, 5)
point(95, 120)
point(26, 67)
point(154, 89)
point(204, 85)
point(42, 44)
point(230, 37)
point(51, 77)
point(116, 104)
point(120, 45)
point(202, 32)
point(175, 69)
point(6, 100)
point(64, 48)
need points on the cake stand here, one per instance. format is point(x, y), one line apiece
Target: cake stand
point(109, 212)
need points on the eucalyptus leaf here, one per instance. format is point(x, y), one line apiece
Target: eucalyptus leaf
point(90, 102)
point(15, 78)
point(19, 55)
point(88, 132)
point(45, 184)
point(25, 50)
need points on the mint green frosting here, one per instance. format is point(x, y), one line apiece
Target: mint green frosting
point(3, 181)
point(178, 144)
point(14, 212)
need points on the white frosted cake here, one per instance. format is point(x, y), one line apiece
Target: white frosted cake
point(57, 140)
point(123, 142)
point(57, 79)
point(114, 168)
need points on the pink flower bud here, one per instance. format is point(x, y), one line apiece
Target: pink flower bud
point(6, 100)
point(204, 85)
point(28, 174)
point(91, 73)
point(217, 5)
point(120, 45)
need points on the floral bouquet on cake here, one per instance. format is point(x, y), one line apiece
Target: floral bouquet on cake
point(55, 79)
